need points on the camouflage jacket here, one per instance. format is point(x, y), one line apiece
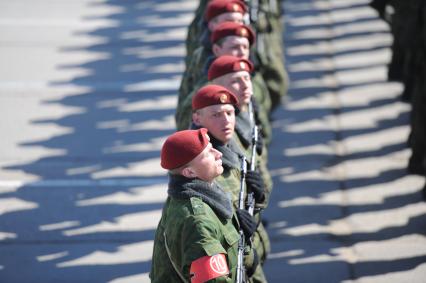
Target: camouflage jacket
point(193, 226)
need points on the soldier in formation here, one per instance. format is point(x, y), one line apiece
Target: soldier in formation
point(264, 16)
point(197, 237)
point(408, 26)
point(211, 227)
point(214, 108)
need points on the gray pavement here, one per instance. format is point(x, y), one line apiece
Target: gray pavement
point(87, 96)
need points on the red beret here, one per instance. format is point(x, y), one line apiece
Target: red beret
point(228, 64)
point(182, 147)
point(212, 95)
point(217, 7)
point(231, 28)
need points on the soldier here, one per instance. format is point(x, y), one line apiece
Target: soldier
point(235, 74)
point(214, 108)
point(265, 17)
point(194, 29)
point(206, 17)
point(183, 111)
point(217, 12)
point(228, 38)
point(196, 239)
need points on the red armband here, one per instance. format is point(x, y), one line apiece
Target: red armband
point(208, 267)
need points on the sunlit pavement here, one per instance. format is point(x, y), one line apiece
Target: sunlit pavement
point(87, 96)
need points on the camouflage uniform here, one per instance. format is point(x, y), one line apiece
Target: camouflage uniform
point(243, 129)
point(188, 230)
point(260, 240)
point(183, 115)
point(269, 51)
point(195, 72)
point(230, 180)
point(194, 31)
point(243, 138)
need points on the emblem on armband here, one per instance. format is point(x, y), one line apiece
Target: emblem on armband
point(208, 267)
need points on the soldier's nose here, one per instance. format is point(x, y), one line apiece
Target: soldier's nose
point(218, 155)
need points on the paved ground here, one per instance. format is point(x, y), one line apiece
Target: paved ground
point(87, 95)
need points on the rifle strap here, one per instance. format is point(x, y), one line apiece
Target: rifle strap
point(171, 261)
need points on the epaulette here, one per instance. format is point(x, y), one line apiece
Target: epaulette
point(197, 206)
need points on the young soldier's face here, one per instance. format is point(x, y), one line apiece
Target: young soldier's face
point(208, 164)
point(218, 119)
point(238, 83)
point(237, 46)
point(225, 17)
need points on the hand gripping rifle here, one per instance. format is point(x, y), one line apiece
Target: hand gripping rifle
point(241, 243)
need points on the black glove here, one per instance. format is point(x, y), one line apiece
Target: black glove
point(259, 144)
point(256, 185)
point(247, 222)
point(250, 270)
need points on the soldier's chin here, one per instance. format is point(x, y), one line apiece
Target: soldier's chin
point(247, 99)
point(228, 137)
point(220, 170)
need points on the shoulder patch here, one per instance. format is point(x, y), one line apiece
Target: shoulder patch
point(208, 267)
point(197, 206)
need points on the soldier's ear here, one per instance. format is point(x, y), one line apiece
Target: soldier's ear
point(216, 49)
point(211, 24)
point(188, 172)
point(196, 118)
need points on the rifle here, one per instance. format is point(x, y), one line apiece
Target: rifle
point(250, 198)
point(241, 242)
point(254, 10)
point(253, 6)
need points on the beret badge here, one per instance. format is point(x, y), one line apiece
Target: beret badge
point(223, 98)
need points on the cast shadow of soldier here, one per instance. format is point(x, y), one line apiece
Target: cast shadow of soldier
point(317, 253)
point(110, 149)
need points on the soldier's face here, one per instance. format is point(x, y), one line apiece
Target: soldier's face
point(225, 17)
point(238, 83)
point(237, 46)
point(208, 164)
point(218, 119)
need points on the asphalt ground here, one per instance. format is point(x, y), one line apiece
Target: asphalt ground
point(87, 96)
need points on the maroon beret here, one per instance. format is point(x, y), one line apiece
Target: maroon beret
point(217, 7)
point(182, 147)
point(212, 95)
point(231, 28)
point(225, 64)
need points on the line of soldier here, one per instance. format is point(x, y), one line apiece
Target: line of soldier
point(211, 228)
point(407, 20)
